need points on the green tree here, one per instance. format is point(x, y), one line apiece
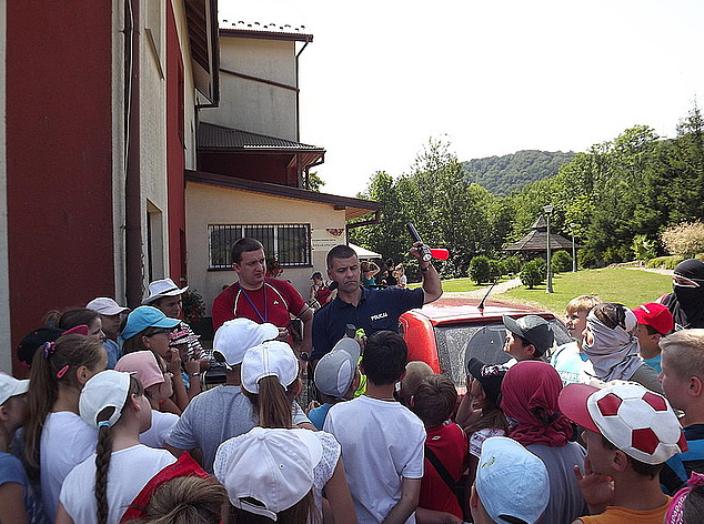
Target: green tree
point(315, 182)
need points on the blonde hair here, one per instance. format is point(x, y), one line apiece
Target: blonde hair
point(685, 352)
point(582, 303)
point(416, 372)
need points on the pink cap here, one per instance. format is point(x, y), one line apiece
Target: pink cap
point(143, 365)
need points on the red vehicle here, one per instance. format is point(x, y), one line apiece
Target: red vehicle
point(446, 333)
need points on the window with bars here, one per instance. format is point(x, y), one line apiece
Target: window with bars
point(288, 243)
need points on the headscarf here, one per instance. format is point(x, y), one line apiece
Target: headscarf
point(688, 502)
point(529, 400)
point(614, 353)
point(685, 303)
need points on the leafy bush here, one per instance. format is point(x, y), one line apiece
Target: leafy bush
point(664, 262)
point(480, 269)
point(588, 257)
point(561, 262)
point(512, 265)
point(684, 239)
point(193, 306)
point(617, 254)
point(644, 248)
point(496, 269)
point(531, 274)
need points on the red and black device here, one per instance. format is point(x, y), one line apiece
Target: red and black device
point(428, 253)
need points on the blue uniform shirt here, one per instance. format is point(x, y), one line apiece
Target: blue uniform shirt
point(378, 310)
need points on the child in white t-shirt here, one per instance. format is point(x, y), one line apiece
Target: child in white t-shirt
point(382, 441)
point(150, 370)
point(102, 487)
point(55, 437)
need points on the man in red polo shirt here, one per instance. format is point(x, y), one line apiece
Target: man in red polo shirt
point(259, 298)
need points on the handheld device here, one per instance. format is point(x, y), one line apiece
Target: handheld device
point(427, 255)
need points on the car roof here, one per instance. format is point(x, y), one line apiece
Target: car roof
point(451, 310)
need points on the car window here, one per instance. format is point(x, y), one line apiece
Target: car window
point(483, 341)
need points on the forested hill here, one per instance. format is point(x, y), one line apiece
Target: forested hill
point(509, 173)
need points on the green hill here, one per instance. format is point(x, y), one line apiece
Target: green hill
point(508, 173)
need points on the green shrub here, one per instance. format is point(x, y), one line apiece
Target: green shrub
point(664, 262)
point(531, 274)
point(496, 269)
point(561, 262)
point(589, 257)
point(480, 269)
point(512, 265)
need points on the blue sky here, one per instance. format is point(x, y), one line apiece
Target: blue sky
point(492, 77)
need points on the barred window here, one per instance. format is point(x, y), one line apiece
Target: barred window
point(288, 243)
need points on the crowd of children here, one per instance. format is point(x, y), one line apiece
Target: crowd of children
point(114, 425)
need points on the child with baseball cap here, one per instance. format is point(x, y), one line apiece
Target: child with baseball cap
point(17, 498)
point(511, 485)
point(102, 487)
point(270, 474)
point(223, 412)
point(630, 432)
point(528, 337)
point(682, 379)
point(654, 322)
point(157, 384)
point(270, 379)
point(337, 378)
point(479, 413)
point(382, 441)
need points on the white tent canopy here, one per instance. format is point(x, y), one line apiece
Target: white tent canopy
point(364, 253)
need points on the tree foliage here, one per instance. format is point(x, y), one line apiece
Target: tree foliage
point(611, 197)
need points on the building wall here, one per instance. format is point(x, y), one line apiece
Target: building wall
point(5, 339)
point(153, 164)
point(58, 157)
point(255, 106)
point(265, 168)
point(208, 204)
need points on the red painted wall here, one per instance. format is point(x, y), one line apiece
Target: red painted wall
point(175, 161)
point(59, 157)
point(265, 168)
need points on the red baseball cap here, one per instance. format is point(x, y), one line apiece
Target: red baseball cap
point(655, 315)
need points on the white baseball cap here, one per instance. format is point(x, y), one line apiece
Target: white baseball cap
point(336, 370)
point(639, 422)
point(272, 358)
point(11, 387)
point(162, 288)
point(235, 337)
point(104, 390)
point(511, 482)
point(272, 466)
point(106, 306)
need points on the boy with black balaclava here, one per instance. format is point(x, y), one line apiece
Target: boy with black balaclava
point(686, 302)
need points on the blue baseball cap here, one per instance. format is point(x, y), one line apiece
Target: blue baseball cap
point(145, 317)
point(511, 482)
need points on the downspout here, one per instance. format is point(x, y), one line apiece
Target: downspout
point(298, 96)
point(133, 205)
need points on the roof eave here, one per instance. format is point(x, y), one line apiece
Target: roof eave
point(266, 35)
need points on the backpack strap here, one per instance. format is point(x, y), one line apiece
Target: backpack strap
point(442, 471)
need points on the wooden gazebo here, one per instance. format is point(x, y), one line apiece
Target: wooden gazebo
point(536, 240)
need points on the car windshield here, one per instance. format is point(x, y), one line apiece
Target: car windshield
point(484, 342)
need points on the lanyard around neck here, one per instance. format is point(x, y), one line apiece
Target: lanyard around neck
point(254, 307)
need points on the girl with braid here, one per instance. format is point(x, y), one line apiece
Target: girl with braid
point(113, 402)
point(55, 437)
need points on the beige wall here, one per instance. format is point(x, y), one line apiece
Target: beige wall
point(5, 343)
point(208, 204)
point(254, 106)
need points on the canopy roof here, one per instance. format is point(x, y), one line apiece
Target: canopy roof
point(537, 239)
point(364, 253)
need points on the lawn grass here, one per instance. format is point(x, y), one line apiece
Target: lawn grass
point(626, 286)
point(458, 284)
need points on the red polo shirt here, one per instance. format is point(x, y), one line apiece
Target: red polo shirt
point(274, 302)
point(449, 444)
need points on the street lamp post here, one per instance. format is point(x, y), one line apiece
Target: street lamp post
point(574, 253)
point(548, 211)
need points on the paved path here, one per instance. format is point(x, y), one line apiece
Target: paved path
point(653, 270)
point(479, 293)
